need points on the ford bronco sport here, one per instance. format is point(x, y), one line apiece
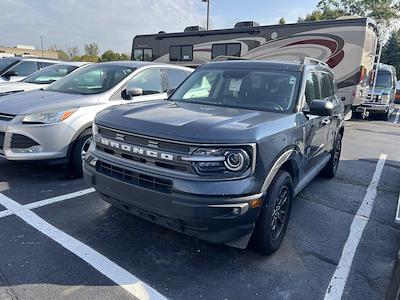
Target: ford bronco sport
point(222, 158)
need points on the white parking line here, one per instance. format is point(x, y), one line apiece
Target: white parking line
point(396, 120)
point(339, 278)
point(45, 202)
point(120, 276)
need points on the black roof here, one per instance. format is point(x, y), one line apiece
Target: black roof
point(255, 64)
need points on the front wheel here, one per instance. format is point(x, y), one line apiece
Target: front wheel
point(331, 168)
point(79, 150)
point(274, 216)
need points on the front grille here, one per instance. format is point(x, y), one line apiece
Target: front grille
point(19, 141)
point(2, 135)
point(145, 142)
point(376, 98)
point(6, 117)
point(134, 178)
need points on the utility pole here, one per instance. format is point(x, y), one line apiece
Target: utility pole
point(208, 13)
point(41, 42)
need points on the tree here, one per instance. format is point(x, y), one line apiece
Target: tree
point(73, 52)
point(92, 49)
point(380, 10)
point(89, 58)
point(109, 55)
point(321, 14)
point(391, 52)
point(60, 53)
point(282, 21)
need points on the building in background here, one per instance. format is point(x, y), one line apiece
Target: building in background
point(28, 51)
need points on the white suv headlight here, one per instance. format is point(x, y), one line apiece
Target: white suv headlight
point(385, 99)
point(49, 117)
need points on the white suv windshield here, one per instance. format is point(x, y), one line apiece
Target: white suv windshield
point(6, 62)
point(269, 90)
point(49, 74)
point(90, 80)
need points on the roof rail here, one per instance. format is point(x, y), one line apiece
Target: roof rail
point(310, 60)
point(224, 58)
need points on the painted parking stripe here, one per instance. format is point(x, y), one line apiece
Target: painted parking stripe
point(396, 120)
point(49, 201)
point(120, 276)
point(339, 278)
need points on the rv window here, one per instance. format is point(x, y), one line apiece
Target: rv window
point(179, 53)
point(232, 49)
point(326, 85)
point(143, 54)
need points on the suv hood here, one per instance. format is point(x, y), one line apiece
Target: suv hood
point(42, 101)
point(195, 123)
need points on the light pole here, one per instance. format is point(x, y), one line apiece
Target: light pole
point(208, 12)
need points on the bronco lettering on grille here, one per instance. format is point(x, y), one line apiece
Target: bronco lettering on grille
point(136, 150)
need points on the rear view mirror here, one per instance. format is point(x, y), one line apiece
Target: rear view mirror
point(134, 91)
point(10, 74)
point(322, 108)
point(170, 92)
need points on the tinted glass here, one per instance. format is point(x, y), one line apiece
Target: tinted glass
point(326, 85)
point(93, 79)
point(175, 77)
point(148, 80)
point(312, 89)
point(241, 88)
point(25, 68)
point(233, 49)
point(174, 53)
point(218, 50)
point(187, 53)
point(384, 79)
point(6, 62)
point(138, 54)
point(45, 64)
point(50, 74)
point(147, 54)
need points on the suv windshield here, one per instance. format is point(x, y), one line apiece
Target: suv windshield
point(268, 90)
point(6, 62)
point(384, 79)
point(50, 74)
point(94, 79)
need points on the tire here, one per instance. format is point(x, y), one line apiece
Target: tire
point(386, 115)
point(331, 168)
point(81, 144)
point(270, 229)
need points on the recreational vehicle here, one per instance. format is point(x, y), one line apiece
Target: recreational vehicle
point(347, 45)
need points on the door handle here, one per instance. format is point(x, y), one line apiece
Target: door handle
point(326, 121)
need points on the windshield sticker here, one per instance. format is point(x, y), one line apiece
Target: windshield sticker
point(235, 84)
point(292, 80)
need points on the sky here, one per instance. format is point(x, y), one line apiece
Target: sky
point(112, 24)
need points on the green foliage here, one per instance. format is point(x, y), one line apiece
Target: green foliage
point(391, 52)
point(382, 10)
point(92, 49)
point(89, 58)
point(321, 14)
point(282, 21)
point(109, 55)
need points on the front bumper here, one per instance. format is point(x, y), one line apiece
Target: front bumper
point(213, 218)
point(35, 142)
point(377, 108)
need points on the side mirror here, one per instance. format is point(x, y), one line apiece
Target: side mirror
point(170, 92)
point(323, 108)
point(134, 91)
point(10, 74)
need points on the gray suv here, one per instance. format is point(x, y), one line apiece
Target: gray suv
point(222, 158)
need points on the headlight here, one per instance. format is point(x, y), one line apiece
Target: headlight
point(385, 99)
point(49, 117)
point(221, 161)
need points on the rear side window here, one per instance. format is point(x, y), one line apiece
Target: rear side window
point(45, 64)
point(312, 89)
point(231, 49)
point(175, 77)
point(25, 68)
point(327, 89)
point(181, 53)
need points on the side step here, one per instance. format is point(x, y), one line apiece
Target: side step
point(397, 219)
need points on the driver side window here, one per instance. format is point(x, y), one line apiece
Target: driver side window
point(312, 91)
point(148, 80)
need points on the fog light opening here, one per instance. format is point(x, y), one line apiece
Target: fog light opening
point(236, 211)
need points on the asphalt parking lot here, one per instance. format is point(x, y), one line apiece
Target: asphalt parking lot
point(76, 246)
